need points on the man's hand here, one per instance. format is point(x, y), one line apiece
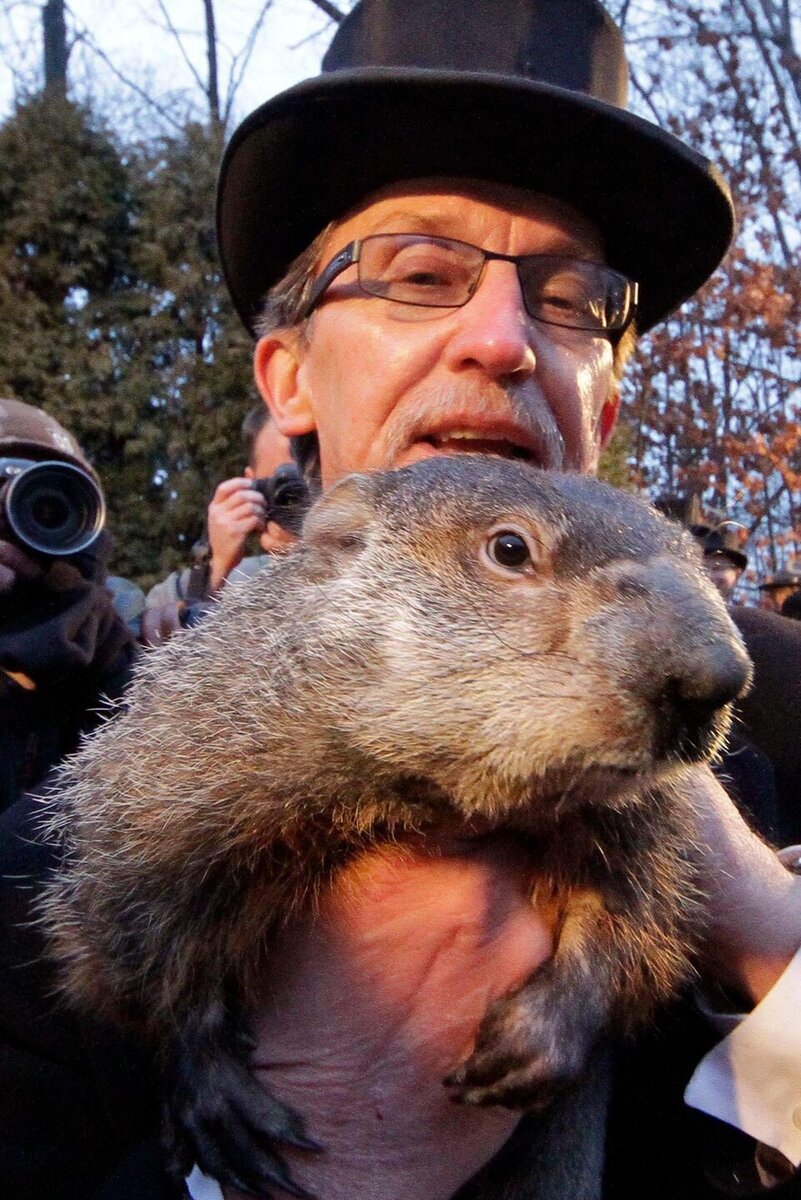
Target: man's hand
point(754, 903)
point(16, 567)
point(371, 1002)
point(236, 511)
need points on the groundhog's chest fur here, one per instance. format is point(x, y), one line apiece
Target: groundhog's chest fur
point(467, 639)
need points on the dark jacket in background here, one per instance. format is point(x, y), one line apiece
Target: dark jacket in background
point(770, 715)
point(62, 649)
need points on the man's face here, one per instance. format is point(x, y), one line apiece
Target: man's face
point(723, 572)
point(386, 384)
point(270, 451)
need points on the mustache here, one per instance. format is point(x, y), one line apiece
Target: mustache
point(515, 405)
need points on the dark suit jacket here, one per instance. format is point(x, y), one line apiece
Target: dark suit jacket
point(79, 1105)
point(770, 714)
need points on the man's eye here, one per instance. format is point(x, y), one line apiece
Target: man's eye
point(566, 294)
point(423, 278)
point(424, 272)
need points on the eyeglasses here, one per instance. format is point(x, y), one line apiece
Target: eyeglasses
point(435, 272)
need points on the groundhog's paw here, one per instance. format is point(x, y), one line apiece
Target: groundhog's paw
point(522, 1055)
point(226, 1122)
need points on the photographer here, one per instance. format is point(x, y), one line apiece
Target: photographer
point(62, 645)
point(238, 509)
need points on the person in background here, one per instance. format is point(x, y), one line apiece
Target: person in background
point(63, 646)
point(724, 556)
point(776, 589)
point(792, 606)
point(236, 512)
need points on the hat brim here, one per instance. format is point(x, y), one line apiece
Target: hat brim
point(735, 557)
point(310, 154)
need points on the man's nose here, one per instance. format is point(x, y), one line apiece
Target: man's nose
point(493, 330)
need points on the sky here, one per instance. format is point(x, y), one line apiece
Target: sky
point(132, 35)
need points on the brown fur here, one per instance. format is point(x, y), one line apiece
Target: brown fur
point(380, 676)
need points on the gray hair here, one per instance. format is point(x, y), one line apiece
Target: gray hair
point(281, 309)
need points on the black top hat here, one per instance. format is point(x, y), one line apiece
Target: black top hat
point(522, 92)
point(726, 540)
point(684, 508)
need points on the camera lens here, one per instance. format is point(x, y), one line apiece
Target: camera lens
point(54, 508)
point(50, 512)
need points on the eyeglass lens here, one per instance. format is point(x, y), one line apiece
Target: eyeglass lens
point(444, 273)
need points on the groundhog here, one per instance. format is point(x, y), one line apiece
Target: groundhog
point(467, 637)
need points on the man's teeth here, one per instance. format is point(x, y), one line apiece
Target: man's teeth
point(486, 444)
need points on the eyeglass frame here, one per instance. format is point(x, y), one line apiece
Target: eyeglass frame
point(351, 254)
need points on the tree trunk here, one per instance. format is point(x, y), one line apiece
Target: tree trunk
point(213, 86)
point(54, 30)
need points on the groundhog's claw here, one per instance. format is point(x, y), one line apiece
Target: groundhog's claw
point(225, 1121)
point(527, 1048)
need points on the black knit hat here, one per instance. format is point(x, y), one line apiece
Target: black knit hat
point(529, 93)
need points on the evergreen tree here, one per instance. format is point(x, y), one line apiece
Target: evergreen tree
point(114, 318)
point(67, 216)
point(190, 359)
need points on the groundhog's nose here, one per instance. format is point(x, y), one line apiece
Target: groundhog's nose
point(692, 703)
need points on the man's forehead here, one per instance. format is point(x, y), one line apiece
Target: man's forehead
point(449, 206)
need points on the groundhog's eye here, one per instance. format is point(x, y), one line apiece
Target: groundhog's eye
point(510, 550)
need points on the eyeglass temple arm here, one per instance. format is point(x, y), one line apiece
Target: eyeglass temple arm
point(339, 263)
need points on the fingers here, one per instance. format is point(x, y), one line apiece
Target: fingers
point(790, 857)
point(377, 994)
point(16, 567)
point(237, 505)
point(160, 623)
point(236, 511)
point(753, 902)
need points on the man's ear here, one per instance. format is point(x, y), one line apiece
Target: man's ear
point(277, 360)
point(608, 418)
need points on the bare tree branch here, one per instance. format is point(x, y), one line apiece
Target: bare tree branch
point(240, 62)
point(168, 117)
point(171, 29)
point(330, 10)
point(213, 85)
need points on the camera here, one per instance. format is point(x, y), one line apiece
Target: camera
point(287, 496)
point(53, 508)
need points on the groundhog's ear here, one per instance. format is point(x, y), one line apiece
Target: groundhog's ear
point(339, 521)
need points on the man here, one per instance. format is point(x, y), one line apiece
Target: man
point(457, 285)
point(237, 511)
point(768, 715)
point(63, 646)
point(776, 589)
point(438, 340)
point(792, 606)
point(724, 557)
